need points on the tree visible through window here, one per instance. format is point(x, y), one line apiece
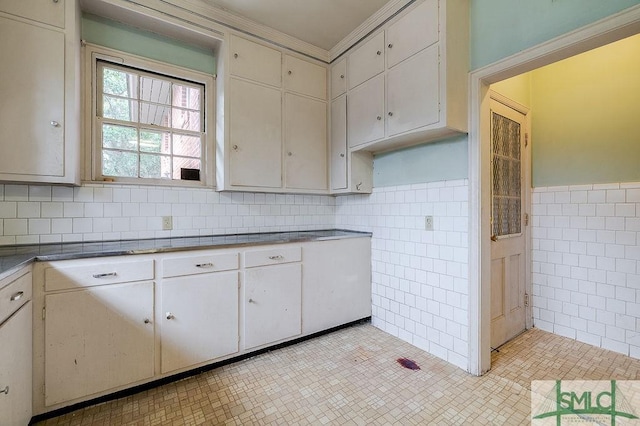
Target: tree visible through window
point(150, 125)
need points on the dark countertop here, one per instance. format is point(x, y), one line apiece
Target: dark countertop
point(12, 257)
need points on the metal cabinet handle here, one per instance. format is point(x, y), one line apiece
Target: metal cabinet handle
point(278, 257)
point(251, 301)
point(342, 155)
point(204, 265)
point(390, 114)
point(17, 296)
point(170, 316)
point(378, 53)
point(341, 75)
point(55, 123)
point(235, 55)
point(390, 45)
point(378, 118)
point(105, 275)
point(358, 186)
point(147, 321)
point(235, 147)
point(290, 72)
point(5, 390)
point(290, 153)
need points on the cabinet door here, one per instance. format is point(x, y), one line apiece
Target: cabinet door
point(413, 32)
point(366, 61)
point(339, 143)
point(305, 77)
point(32, 103)
point(48, 12)
point(305, 143)
point(338, 294)
point(272, 304)
point(200, 319)
point(413, 93)
point(97, 339)
point(365, 109)
point(255, 62)
point(15, 368)
point(338, 78)
point(255, 135)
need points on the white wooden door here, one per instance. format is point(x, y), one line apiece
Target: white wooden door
point(413, 94)
point(32, 108)
point(338, 78)
point(255, 61)
point(272, 304)
point(339, 143)
point(98, 339)
point(304, 77)
point(413, 32)
point(365, 109)
point(15, 368)
point(255, 135)
point(199, 319)
point(305, 143)
point(366, 61)
point(509, 195)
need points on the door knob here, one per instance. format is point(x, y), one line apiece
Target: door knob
point(494, 238)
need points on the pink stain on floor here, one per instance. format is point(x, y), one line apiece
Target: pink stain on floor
point(407, 363)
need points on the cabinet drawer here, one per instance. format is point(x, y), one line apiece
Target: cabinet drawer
point(305, 77)
point(14, 296)
point(62, 276)
point(47, 12)
point(255, 61)
point(272, 256)
point(200, 263)
point(339, 78)
point(366, 61)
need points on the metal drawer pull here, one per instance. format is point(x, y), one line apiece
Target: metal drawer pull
point(251, 301)
point(17, 296)
point(147, 321)
point(170, 316)
point(278, 257)
point(105, 275)
point(204, 265)
point(5, 390)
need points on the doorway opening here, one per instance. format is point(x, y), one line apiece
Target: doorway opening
point(482, 261)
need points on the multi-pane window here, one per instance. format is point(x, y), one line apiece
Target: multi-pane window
point(150, 126)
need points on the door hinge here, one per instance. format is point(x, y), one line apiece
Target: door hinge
point(526, 300)
point(526, 139)
point(526, 219)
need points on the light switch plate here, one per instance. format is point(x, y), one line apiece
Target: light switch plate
point(167, 223)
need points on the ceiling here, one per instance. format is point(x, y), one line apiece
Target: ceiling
point(322, 23)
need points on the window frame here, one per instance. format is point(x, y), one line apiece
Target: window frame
point(92, 122)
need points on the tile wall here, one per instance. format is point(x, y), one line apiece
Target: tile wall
point(420, 278)
point(49, 214)
point(586, 264)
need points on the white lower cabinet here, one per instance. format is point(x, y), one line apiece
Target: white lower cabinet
point(97, 339)
point(15, 351)
point(272, 304)
point(336, 281)
point(199, 319)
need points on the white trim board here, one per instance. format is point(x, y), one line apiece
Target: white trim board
point(604, 31)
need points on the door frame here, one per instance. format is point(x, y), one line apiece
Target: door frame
point(613, 28)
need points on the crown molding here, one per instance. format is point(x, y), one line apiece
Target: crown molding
point(239, 23)
point(374, 21)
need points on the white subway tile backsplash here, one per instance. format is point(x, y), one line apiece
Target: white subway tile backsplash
point(595, 236)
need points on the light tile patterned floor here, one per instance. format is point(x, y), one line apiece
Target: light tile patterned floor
point(351, 377)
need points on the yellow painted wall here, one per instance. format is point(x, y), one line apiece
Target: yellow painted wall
point(517, 88)
point(586, 117)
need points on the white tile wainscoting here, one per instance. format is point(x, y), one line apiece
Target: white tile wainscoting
point(420, 278)
point(586, 264)
point(50, 214)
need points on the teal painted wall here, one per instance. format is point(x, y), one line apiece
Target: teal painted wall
point(431, 162)
point(500, 28)
point(112, 34)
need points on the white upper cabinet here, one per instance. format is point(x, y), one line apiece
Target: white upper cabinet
point(255, 61)
point(366, 61)
point(304, 77)
point(272, 121)
point(412, 32)
point(339, 144)
point(420, 63)
point(338, 78)
point(39, 107)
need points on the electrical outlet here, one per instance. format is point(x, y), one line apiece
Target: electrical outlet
point(428, 223)
point(167, 223)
